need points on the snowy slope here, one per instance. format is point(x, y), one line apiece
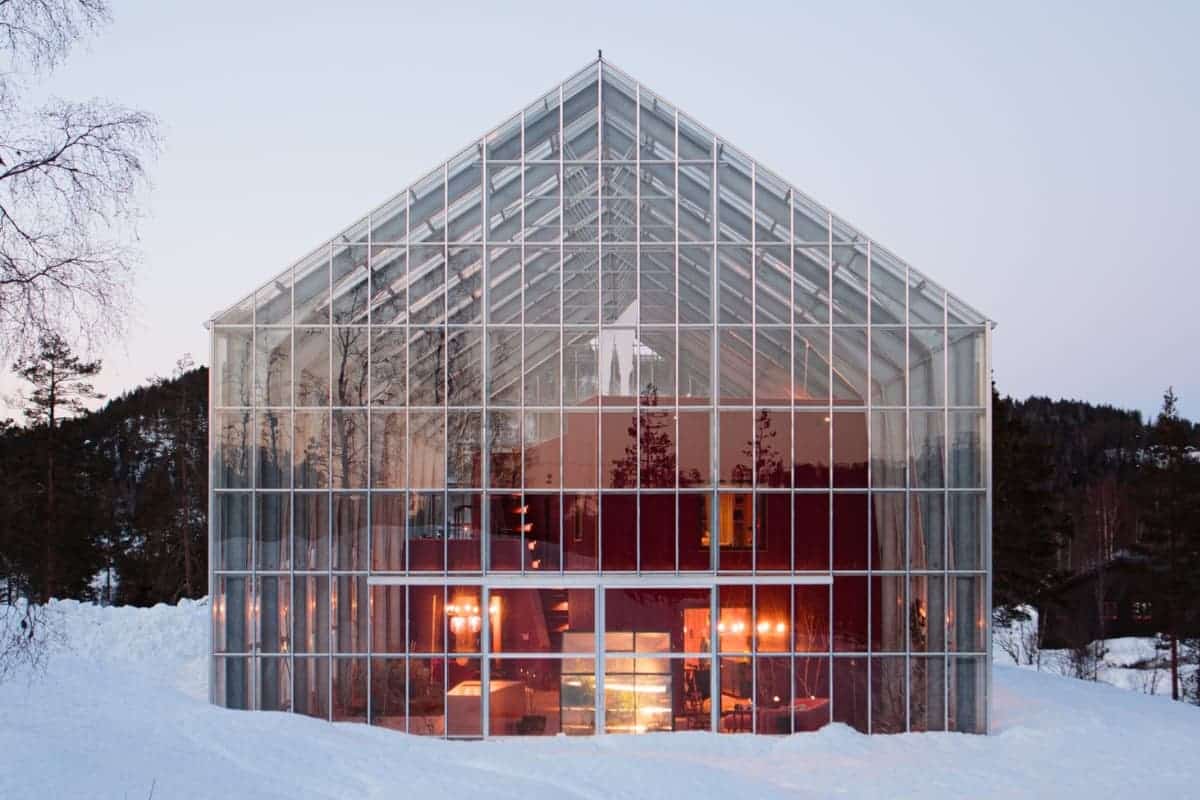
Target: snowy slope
point(121, 709)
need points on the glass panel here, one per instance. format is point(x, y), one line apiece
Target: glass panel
point(504, 366)
point(389, 366)
point(312, 613)
point(580, 111)
point(656, 526)
point(966, 449)
point(736, 531)
point(543, 518)
point(274, 450)
point(426, 532)
point(888, 696)
point(581, 430)
point(811, 447)
point(311, 450)
point(737, 448)
point(850, 531)
point(233, 615)
point(927, 446)
point(888, 386)
point(464, 619)
point(656, 366)
point(734, 197)
point(543, 349)
point(388, 618)
point(505, 520)
point(350, 532)
point(349, 366)
point(312, 687)
point(388, 450)
point(850, 449)
point(733, 620)
point(272, 530)
point(965, 616)
point(464, 532)
point(850, 366)
point(773, 285)
point(350, 289)
point(695, 366)
point(272, 367)
point(812, 531)
point(389, 285)
point(427, 696)
point(812, 709)
point(427, 449)
point(389, 690)
point(580, 272)
point(581, 382)
point(773, 698)
point(542, 220)
point(541, 133)
point(888, 612)
point(694, 448)
point(618, 450)
point(927, 366)
point(388, 511)
point(618, 532)
point(849, 284)
point(464, 295)
point(541, 697)
point(849, 614)
point(656, 449)
point(968, 379)
point(232, 446)
point(504, 448)
point(543, 440)
point(274, 684)
point(311, 295)
point(968, 695)
point(233, 351)
point(350, 615)
point(427, 614)
point(967, 521)
point(772, 367)
point(695, 531)
point(542, 620)
point(772, 622)
point(927, 614)
point(810, 619)
point(464, 175)
point(427, 207)
point(888, 457)
point(504, 280)
point(464, 367)
point(312, 369)
point(927, 531)
point(927, 694)
point(349, 449)
point(695, 269)
point(735, 270)
point(427, 366)
point(850, 692)
point(773, 532)
point(810, 283)
point(580, 520)
point(464, 454)
point(231, 531)
point(427, 283)
point(656, 303)
point(887, 531)
point(311, 530)
point(810, 366)
point(543, 280)
point(737, 694)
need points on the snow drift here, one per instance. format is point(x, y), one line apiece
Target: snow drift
point(120, 711)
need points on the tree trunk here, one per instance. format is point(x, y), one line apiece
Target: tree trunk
point(1174, 668)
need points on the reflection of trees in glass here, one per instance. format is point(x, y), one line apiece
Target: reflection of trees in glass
point(350, 366)
point(274, 460)
point(655, 438)
point(770, 463)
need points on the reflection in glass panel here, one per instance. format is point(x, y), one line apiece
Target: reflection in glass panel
point(737, 448)
point(542, 697)
point(618, 450)
point(505, 523)
point(850, 691)
point(810, 618)
point(927, 694)
point(773, 705)
point(695, 531)
point(388, 450)
point(389, 284)
point(581, 278)
point(350, 614)
point(888, 386)
point(736, 363)
point(737, 694)
point(388, 511)
point(618, 532)
point(967, 368)
point(695, 274)
point(965, 614)
point(464, 367)
point(579, 532)
point(388, 619)
point(926, 614)
point(312, 367)
point(812, 708)
point(231, 531)
point(967, 522)
point(887, 530)
point(542, 444)
point(773, 532)
point(811, 449)
point(656, 526)
point(850, 531)
point(426, 366)
point(274, 684)
point(504, 366)
point(389, 366)
point(464, 449)
point(311, 618)
point(850, 449)
point(849, 614)
point(772, 366)
point(311, 456)
point(927, 540)
point(426, 532)
point(274, 469)
point(810, 366)
point(734, 271)
point(772, 621)
point(542, 353)
point(888, 613)
point(695, 366)
point(427, 449)
point(312, 686)
point(850, 366)
point(349, 449)
point(889, 705)
point(427, 696)
point(694, 453)
point(464, 295)
point(350, 532)
point(273, 367)
point(349, 366)
point(735, 531)
point(233, 617)
point(888, 457)
point(581, 383)
point(656, 448)
point(272, 530)
point(504, 449)
point(543, 548)
point(464, 518)
point(581, 430)
point(927, 448)
point(656, 366)
point(966, 450)
point(311, 530)
point(967, 710)
point(927, 366)
point(811, 531)
point(389, 691)
point(232, 361)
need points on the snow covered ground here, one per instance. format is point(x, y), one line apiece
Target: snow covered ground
point(121, 712)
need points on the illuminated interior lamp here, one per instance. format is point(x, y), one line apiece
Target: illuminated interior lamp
point(780, 627)
point(764, 627)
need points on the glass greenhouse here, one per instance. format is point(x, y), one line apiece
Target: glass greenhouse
point(601, 427)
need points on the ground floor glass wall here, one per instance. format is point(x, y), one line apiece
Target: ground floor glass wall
point(464, 660)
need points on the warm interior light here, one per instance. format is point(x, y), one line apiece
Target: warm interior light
point(780, 627)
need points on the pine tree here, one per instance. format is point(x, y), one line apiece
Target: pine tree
point(1029, 527)
point(61, 388)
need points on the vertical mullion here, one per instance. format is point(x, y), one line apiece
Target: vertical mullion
point(637, 288)
point(522, 418)
point(562, 342)
point(485, 666)
point(987, 521)
point(599, 305)
point(601, 666)
point(485, 428)
point(754, 442)
point(829, 444)
point(714, 375)
point(330, 589)
point(445, 367)
point(675, 319)
point(945, 484)
point(370, 470)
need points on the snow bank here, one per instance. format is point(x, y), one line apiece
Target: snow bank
point(120, 711)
